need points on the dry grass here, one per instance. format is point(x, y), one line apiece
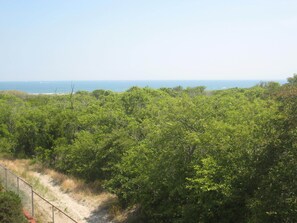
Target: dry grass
point(69, 184)
point(20, 167)
point(90, 193)
point(120, 215)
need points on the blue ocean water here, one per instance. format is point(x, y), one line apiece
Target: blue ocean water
point(47, 87)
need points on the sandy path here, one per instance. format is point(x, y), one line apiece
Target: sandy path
point(82, 211)
point(81, 206)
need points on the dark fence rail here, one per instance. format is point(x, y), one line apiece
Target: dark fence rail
point(33, 202)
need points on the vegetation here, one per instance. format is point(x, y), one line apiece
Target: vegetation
point(180, 155)
point(10, 208)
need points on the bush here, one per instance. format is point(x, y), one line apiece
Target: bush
point(10, 208)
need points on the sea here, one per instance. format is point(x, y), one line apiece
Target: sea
point(60, 87)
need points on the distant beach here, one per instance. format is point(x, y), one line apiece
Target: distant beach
point(58, 87)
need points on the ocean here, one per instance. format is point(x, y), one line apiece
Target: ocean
point(50, 87)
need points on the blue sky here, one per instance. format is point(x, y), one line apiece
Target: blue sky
point(147, 39)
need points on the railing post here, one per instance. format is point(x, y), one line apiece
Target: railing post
point(6, 182)
point(53, 213)
point(18, 185)
point(32, 197)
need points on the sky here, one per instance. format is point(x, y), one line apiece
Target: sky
point(147, 40)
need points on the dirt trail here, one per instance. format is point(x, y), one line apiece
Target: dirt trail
point(82, 211)
point(84, 208)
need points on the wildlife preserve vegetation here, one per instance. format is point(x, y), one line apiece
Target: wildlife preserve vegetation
point(10, 207)
point(179, 155)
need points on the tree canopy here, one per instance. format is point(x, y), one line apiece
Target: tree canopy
point(181, 155)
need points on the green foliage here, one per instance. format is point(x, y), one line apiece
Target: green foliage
point(10, 208)
point(292, 80)
point(181, 155)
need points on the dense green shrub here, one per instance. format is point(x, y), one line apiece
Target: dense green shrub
point(10, 208)
point(179, 155)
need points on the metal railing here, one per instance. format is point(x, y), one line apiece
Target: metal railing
point(33, 202)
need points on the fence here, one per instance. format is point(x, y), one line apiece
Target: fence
point(33, 202)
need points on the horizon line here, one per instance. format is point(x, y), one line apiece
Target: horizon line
point(146, 80)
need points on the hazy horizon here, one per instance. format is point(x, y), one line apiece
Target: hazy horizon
point(121, 86)
point(135, 80)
